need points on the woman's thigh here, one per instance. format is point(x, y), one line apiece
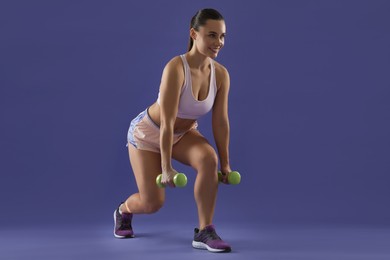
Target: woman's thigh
point(194, 150)
point(146, 166)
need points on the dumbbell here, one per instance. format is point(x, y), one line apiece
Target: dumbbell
point(233, 177)
point(180, 180)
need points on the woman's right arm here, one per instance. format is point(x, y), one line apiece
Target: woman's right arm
point(170, 88)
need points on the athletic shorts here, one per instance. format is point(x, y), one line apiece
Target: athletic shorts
point(144, 134)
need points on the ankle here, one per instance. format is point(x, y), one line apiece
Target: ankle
point(123, 208)
point(201, 227)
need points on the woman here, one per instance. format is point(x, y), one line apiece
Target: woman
point(192, 84)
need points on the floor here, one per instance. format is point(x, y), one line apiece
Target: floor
point(156, 241)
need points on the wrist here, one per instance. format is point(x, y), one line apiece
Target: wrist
point(226, 169)
point(224, 162)
point(166, 166)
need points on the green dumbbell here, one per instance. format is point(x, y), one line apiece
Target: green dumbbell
point(233, 177)
point(180, 180)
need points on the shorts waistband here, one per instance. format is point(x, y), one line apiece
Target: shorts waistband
point(150, 122)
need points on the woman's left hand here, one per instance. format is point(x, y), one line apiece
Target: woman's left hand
point(225, 172)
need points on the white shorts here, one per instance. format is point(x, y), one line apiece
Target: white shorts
point(144, 134)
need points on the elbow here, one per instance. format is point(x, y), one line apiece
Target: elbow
point(221, 123)
point(166, 124)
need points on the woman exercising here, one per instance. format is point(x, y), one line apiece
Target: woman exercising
point(192, 84)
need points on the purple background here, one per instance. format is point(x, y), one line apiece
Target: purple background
point(309, 108)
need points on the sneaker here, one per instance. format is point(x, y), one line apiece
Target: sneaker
point(208, 239)
point(122, 222)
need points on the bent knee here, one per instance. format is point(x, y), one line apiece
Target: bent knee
point(153, 206)
point(207, 161)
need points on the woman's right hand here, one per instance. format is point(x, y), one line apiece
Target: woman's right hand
point(167, 177)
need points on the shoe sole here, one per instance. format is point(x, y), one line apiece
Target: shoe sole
point(200, 245)
point(118, 236)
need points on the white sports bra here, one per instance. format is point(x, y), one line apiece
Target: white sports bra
point(189, 107)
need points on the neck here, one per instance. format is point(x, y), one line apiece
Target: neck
point(197, 60)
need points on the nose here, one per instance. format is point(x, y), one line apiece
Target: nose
point(219, 43)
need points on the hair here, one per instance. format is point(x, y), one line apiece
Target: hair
point(200, 19)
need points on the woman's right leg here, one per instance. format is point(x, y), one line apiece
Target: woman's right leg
point(150, 198)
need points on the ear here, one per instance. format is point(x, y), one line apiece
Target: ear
point(193, 34)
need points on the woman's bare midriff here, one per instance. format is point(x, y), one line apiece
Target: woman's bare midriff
point(181, 124)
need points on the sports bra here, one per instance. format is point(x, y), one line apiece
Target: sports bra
point(189, 107)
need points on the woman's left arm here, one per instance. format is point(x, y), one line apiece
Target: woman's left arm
point(220, 119)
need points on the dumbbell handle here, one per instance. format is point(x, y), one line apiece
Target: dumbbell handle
point(180, 180)
point(233, 177)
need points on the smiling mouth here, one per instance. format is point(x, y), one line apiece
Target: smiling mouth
point(214, 50)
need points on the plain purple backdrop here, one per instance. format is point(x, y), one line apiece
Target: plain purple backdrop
point(309, 108)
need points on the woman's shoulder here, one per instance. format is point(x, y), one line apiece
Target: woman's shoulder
point(174, 63)
point(220, 70)
point(174, 68)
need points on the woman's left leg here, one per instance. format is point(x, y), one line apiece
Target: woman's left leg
point(194, 150)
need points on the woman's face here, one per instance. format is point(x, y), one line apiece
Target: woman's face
point(210, 38)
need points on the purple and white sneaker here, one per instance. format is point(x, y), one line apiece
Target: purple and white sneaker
point(207, 238)
point(122, 222)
